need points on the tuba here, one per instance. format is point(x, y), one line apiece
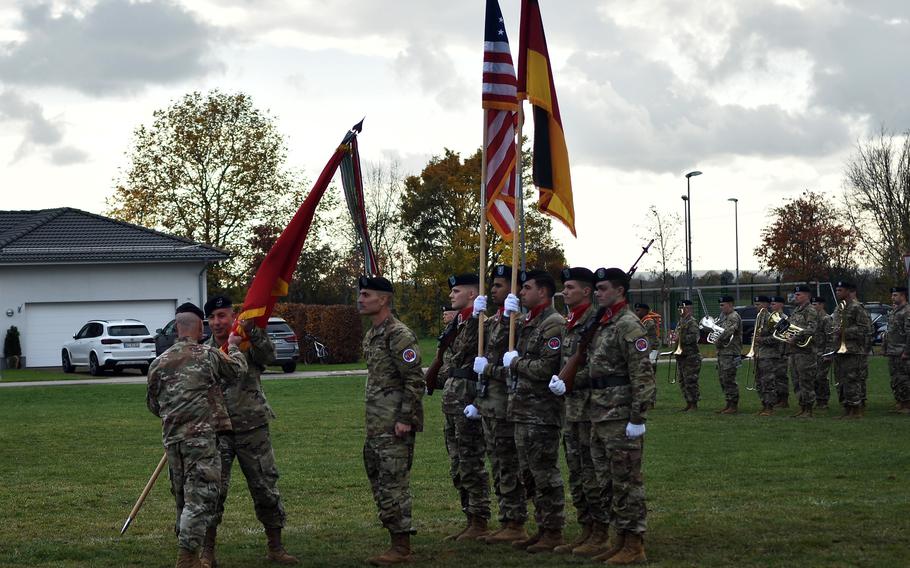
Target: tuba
point(784, 330)
point(710, 323)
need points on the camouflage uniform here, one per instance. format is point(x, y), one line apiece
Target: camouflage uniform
point(538, 414)
point(250, 442)
point(463, 436)
point(394, 390)
point(689, 361)
point(897, 348)
point(576, 437)
point(802, 359)
point(622, 383)
point(492, 402)
point(769, 359)
point(851, 368)
point(729, 355)
point(823, 365)
point(183, 390)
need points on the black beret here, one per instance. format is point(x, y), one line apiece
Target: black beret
point(377, 283)
point(758, 299)
point(845, 284)
point(463, 280)
point(217, 303)
point(802, 288)
point(684, 303)
point(778, 299)
point(534, 274)
point(724, 299)
point(579, 273)
point(642, 307)
point(818, 300)
point(189, 308)
point(899, 290)
point(502, 271)
point(611, 274)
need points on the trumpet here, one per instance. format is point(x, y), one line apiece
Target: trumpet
point(785, 331)
point(709, 322)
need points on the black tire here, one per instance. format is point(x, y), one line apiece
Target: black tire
point(68, 367)
point(309, 356)
point(144, 370)
point(289, 367)
point(94, 368)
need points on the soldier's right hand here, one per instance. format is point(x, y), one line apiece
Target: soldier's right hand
point(234, 339)
point(511, 305)
point(480, 306)
point(508, 357)
point(471, 412)
point(480, 363)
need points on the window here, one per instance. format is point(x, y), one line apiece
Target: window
point(127, 330)
point(278, 327)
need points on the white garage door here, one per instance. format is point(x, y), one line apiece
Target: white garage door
point(49, 325)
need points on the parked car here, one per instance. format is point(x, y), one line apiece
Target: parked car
point(287, 350)
point(103, 345)
point(167, 335)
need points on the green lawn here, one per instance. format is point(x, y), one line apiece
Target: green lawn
point(722, 491)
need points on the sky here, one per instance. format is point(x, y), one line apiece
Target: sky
point(766, 98)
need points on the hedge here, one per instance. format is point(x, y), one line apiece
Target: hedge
point(339, 327)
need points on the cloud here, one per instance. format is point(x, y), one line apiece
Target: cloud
point(115, 47)
point(39, 133)
point(434, 71)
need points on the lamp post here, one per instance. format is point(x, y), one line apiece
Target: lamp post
point(736, 232)
point(689, 176)
point(686, 239)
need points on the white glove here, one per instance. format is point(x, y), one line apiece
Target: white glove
point(653, 356)
point(471, 412)
point(511, 305)
point(557, 386)
point(480, 363)
point(634, 430)
point(480, 306)
point(508, 357)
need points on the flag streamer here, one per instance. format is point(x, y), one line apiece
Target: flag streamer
point(352, 182)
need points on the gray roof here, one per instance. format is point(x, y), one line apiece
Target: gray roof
point(66, 235)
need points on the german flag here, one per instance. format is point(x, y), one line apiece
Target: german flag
point(535, 83)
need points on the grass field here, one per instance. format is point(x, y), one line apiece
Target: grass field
point(722, 491)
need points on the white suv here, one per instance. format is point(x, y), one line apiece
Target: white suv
point(110, 344)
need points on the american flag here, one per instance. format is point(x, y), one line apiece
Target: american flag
point(500, 102)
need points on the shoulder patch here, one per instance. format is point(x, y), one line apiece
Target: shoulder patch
point(554, 343)
point(409, 355)
point(641, 344)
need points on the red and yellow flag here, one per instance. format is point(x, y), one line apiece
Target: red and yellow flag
point(535, 83)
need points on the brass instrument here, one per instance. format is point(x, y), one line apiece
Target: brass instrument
point(843, 321)
point(751, 352)
point(709, 322)
point(785, 331)
point(750, 379)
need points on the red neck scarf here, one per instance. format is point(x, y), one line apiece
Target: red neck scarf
point(465, 314)
point(575, 314)
point(535, 312)
point(612, 311)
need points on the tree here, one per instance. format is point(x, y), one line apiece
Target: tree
point(210, 168)
point(877, 200)
point(805, 240)
point(663, 228)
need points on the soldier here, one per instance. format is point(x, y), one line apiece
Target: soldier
point(853, 329)
point(802, 351)
point(897, 348)
point(183, 390)
point(651, 321)
point(622, 381)
point(822, 346)
point(463, 426)
point(779, 362)
point(768, 354)
point(394, 414)
point(729, 353)
point(578, 287)
point(250, 442)
point(538, 413)
point(688, 361)
point(492, 401)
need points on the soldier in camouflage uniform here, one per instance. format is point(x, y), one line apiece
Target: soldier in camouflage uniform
point(729, 353)
point(183, 391)
point(538, 414)
point(463, 426)
point(802, 351)
point(492, 401)
point(622, 382)
point(250, 441)
point(853, 326)
point(394, 414)
point(766, 350)
point(778, 362)
point(822, 346)
point(688, 361)
point(897, 348)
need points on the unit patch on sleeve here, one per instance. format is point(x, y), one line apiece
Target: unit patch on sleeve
point(554, 343)
point(641, 344)
point(409, 355)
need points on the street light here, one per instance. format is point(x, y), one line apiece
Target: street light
point(689, 254)
point(686, 237)
point(736, 229)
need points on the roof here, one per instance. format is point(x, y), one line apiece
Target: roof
point(72, 236)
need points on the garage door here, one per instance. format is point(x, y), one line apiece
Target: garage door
point(49, 325)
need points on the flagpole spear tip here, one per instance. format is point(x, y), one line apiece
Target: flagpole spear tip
point(359, 126)
point(126, 525)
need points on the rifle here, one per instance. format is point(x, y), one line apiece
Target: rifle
point(446, 338)
point(588, 331)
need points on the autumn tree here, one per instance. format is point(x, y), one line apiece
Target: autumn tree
point(806, 240)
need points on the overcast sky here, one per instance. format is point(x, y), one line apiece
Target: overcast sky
point(766, 98)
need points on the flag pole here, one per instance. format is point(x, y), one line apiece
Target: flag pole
point(519, 224)
point(482, 269)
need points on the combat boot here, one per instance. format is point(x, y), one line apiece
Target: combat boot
point(848, 411)
point(468, 522)
point(822, 406)
point(905, 408)
point(549, 539)
point(596, 544)
point(732, 408)
point(766, 410)
point(801, 413)
point(783, 402)
point(207, 559)
point(633, 552)
point(187, 559)
point(586, 531)
point(511, 532)
point(525, 543)
point(613, 547)
point(858, 412)
point(476, 531)
point(399, 551)
point(723, 410)
point(277, 553)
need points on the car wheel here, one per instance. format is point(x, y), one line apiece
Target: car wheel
point(289, 367)
point(67, 364)
point(93, 368)
point(144, 370)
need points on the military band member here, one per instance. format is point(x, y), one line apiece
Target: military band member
point(897, 348)
point(852, 328)
point(463, 427)
point(824, 345)
point(802, 352)
point(394, 414)
point(781, 377)
point(766, 351)
point(184, 390)
point(729, 353)
point(689, 360)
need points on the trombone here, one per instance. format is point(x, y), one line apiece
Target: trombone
point(750, 379)
point(674, 336)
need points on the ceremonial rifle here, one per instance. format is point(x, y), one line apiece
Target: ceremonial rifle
point(144, 494)
point(588, 331)
point(446, 338)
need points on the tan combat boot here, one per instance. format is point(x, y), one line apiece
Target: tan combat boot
point(801, 413)
point(587, 529)
point(848, 410)
point(615, 545)
point(596, 544)
point(633, 552)
point(549, 539)
point(476, 531)
point(512, 531)
point(858, 412)
point(399, 551)
point(468, 522)
point(187, 559)
point(722, 410)
point(207, 558)
point(525, 543)
point(732, 408)
point(905, 408)
point(277, 553)
point(767, 410)
point(783, 402)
